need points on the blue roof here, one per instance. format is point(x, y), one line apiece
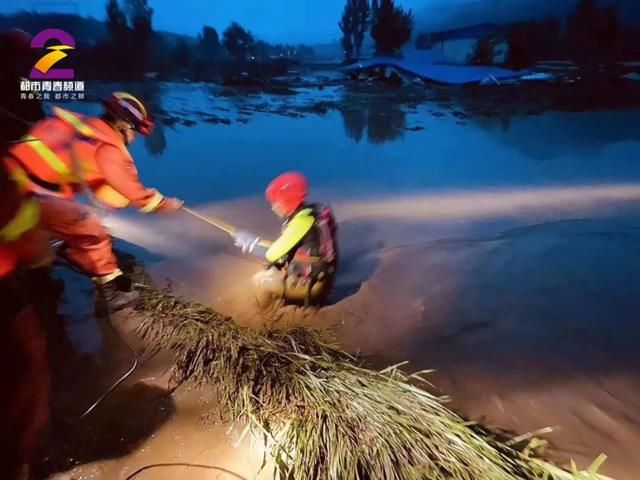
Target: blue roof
point(478, 31)
point(451, 74)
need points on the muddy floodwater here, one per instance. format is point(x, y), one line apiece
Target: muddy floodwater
point(501, 249)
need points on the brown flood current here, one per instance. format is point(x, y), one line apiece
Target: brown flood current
point(525, 303)
point(521, 293)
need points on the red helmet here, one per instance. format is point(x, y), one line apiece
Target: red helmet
point(288, 190)
point(127, 107)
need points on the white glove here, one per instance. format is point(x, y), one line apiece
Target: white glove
point(246, 241)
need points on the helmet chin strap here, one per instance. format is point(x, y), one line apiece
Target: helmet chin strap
point(123, 132)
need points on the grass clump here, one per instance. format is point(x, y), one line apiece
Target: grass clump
point(323, 414)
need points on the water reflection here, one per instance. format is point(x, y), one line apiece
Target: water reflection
point(156, 143)
point(554, 134)
point(383, 121)
point(355, 123)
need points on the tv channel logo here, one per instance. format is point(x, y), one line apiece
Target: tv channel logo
point(43, 68)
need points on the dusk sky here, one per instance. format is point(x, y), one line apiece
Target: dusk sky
point(283, 20)
point(311, 21)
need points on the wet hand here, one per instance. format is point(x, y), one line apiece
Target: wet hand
point(246, 241)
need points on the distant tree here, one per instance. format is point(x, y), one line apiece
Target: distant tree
point(530, 42)
point(423, 41)
point(117, 23)
point(391, 28)
point(362, 14)
point(483, 51)
point(354, 24)
point(121, 39)
point(160, 61)
point(182, 55)
point(346, 25)
point(375, 6)
point(262, 50)
point(609, 32)
point(593, 32)
point(238, 42)
point(140, 16)
point(209, 43)
point(305, 52)
point(582, 29)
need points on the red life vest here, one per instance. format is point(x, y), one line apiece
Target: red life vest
point(318, 250)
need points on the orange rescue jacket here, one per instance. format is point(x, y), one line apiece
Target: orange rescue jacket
point(65, 153)
point(17, 216)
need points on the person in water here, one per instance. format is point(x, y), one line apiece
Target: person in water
point(304, 259)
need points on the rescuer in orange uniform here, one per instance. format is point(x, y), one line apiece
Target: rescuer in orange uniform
point(68, 153)
point(24, 406)
point(24, 403)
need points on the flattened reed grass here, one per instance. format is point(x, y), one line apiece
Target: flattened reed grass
point(322, 414)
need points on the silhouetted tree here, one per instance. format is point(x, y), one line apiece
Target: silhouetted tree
point(582, 27)
point(391, 28)
point(160, 61)
point(533, 41)
point(238, 42)
point(117, 23)
point(375, 6)
point(346, 25)
point(593, 32)
point(120, 40)
point(209, 43)
point(608, 32)
point(305, 52)
point(484, 51)
point(140, 15)
point(361, 23)
point(354, 24)
point(182, 55)
point(262, 50)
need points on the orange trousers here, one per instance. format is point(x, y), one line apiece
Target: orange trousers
point(88, 243)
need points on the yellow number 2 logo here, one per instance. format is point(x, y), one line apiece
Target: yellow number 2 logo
point(50, 59)
point(43, 67)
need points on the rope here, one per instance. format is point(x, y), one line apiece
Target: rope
point(219, 224)
point(136, 360)
point(189, 465)
point(225, 227)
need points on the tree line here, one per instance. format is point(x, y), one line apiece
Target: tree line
point(126, 46)
point(389, 25)
point(131, 32)
point(592, 34)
